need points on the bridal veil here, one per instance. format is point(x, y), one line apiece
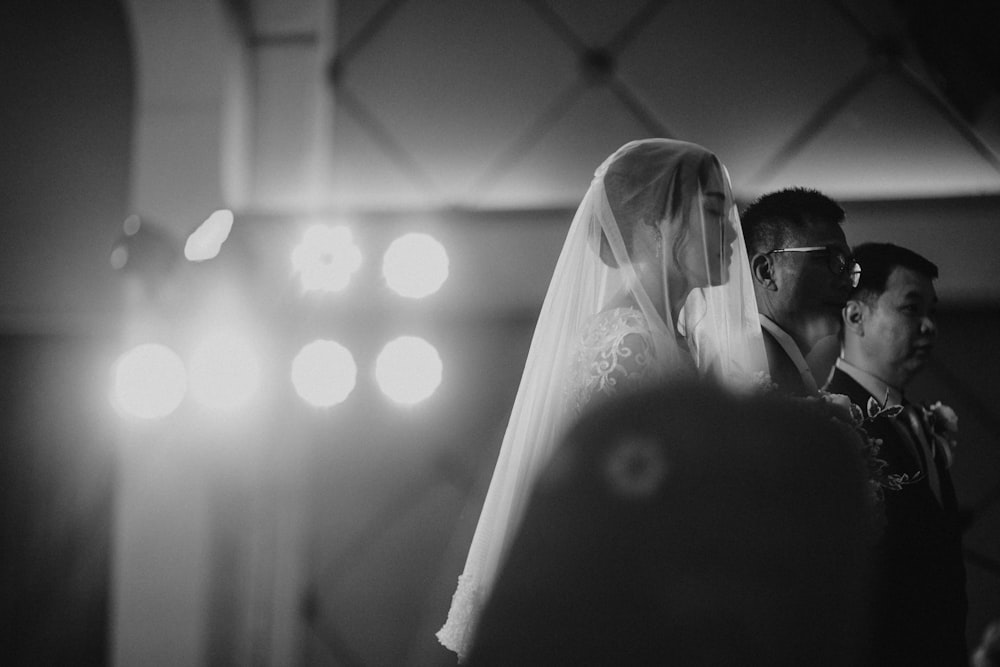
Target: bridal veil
point(657, 230)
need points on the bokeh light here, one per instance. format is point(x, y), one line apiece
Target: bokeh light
point(206, 241)
point(149, 382)
point(415, 265)
point(324, 373)
point(119, 257)
point(224, 371)
point(408, 370)
point(326, 258)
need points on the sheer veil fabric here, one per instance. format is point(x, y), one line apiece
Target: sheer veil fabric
point(652, 282)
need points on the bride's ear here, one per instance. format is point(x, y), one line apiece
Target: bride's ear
point(647, 240)
point(763, 271)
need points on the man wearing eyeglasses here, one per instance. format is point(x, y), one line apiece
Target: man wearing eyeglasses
point(919, 608)
point(803, 272)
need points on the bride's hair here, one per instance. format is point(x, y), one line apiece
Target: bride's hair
point(641, 191)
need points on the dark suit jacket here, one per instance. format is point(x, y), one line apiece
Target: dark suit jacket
point(919, 605)
point(782, 368)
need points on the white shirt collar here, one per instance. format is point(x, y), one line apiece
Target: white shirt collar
point(792, 350)
point(874, 385)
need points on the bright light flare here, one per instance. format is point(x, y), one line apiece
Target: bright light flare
point(324, 373)
point(415, 265)
point(206, 241)
point(326, 258)
point(149, 382)
point(224, 371)
point(408, 370)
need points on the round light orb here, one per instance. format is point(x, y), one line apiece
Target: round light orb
point(408, 370)
point(326, 258)
point(131, 225)
point(149, 382)
point(206, 241)
point(324, 373)
point(224, 371)
point(415, 265)
point(119, 257)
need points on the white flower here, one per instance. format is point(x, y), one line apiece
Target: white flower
point(843, 408)
point(840, 400)
point(943, 418)
point(761, 382)
point(943, 423)
point(742, 382)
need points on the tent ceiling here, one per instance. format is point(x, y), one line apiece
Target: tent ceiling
point(440, 103)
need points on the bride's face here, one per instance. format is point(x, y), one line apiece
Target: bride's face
point(706, 248)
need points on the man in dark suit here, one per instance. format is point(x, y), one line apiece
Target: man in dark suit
point(920, 602)
point(803, 273)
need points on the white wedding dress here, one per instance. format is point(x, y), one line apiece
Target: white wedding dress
point(658, 219)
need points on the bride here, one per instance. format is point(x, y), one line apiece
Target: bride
point(652, 283)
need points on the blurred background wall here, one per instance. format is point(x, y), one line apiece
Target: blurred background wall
point(281, 533)
point(66, 131)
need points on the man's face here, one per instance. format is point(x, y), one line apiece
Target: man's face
point(899, 328)
point(810, 295)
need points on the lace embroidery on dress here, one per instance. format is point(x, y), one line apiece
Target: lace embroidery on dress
point(614, 353)
point(467, 604)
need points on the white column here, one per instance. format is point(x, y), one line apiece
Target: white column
point(231, 112)
point(189, 158)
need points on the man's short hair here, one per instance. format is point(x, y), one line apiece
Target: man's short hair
point(878, 260)
point(768, 223)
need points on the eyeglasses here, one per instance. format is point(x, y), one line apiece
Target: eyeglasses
point(838, 261)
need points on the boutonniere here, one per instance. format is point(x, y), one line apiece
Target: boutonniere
point(942, 423)
point(841, 407)
point(751, 383)
point(761, 382)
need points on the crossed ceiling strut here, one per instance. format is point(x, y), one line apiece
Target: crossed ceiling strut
point(885, 55)
point(597, 66)
point(359, 110)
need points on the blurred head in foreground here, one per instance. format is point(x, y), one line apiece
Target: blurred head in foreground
point(685, 525)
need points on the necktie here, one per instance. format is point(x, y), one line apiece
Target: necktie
point(917, 425)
